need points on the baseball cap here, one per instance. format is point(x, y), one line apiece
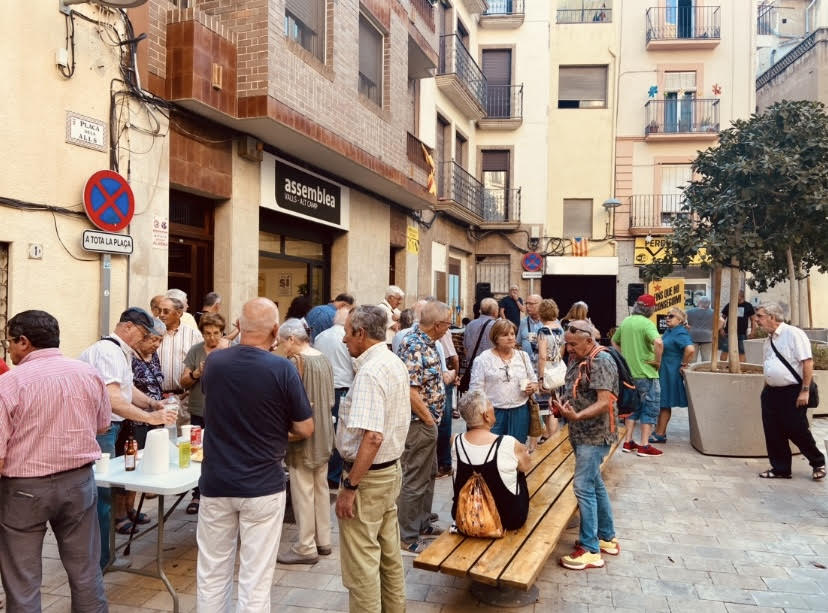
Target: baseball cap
point(140, 317)
point(647, 300)
point(159, 328)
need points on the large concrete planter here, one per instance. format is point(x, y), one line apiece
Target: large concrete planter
point(725, 412)
point(821, 378)
point(817, 334)
point(754, 350)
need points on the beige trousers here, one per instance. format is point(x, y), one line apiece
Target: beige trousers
point(311, 501)
point(369, 544)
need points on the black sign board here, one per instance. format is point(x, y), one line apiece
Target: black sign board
point(307, 194)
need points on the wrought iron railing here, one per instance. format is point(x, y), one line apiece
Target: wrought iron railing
point(504, 7)
point(425, 9)
point(585, 15)
point(456, 59)
point(504, 101)
point(681, 116)
point(414, 151)
point(501, 204)
point(655, 210)
point(683, 22)
point(766, 19)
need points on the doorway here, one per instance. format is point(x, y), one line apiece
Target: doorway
point(598, 291)
point(190, 256)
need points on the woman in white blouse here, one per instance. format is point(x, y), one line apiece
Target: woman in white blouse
point(506, 376)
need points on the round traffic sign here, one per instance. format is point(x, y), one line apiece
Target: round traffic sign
point(108, 201)
point(532, 262)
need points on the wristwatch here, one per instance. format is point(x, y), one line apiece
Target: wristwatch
point(346, 483)
point(806, 389)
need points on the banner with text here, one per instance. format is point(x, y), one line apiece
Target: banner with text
point(668, 293)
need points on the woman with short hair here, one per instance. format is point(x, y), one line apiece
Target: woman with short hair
point(505, 374)
point(678, 353)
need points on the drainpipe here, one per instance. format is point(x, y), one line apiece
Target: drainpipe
point(808, 15)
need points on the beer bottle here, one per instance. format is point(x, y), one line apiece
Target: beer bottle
point(130, 454)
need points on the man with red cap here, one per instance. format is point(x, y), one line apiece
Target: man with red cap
point(638, 341)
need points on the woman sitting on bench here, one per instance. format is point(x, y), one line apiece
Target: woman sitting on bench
point(502, 461)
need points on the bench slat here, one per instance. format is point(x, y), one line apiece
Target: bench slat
point(439, 549)
point(539, 476)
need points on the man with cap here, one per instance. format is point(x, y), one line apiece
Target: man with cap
point(112, 357)
point(638, 341)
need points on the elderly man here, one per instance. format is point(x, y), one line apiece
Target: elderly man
point(527, 334)
point(789, 368)
point(374, 422)
point(321, 317)
point(700, 324)
point(476, 334)
point(210, 304)
point(590, 410)
point(112, 358)
point(254, 398)
point(391, 305)
point(745, 324)
point(174, 347)
point(511, 305)
point(329, 342)
point(638, 341)
point(155, 305)
point(51, 408)
point(181, 296)
point(419, 461)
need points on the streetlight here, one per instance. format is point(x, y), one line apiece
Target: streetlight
point(610, 204)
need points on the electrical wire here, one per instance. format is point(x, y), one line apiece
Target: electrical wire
point(67, 72)
point(65, 248)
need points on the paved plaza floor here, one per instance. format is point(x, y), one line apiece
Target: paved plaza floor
point(698, 534)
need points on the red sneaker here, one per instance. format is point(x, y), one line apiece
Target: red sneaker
point(648, 450)
point(629, 447)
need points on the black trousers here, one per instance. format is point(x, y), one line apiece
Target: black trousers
point(783, 420)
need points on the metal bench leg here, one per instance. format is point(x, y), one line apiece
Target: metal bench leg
point(503, 597)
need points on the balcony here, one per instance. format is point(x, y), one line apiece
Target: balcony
point(503, 15)
point(687, 119)
point(476, 6)
point(460, 78)
point(691, 27)
point(462, 196)
point(654, 213)
point(504, 108)
point(600, 14)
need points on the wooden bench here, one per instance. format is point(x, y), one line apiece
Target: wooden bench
point(515, 560)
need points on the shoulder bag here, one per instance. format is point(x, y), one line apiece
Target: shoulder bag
point(813, 390)
point(554, 372)
point(535, 422)
point(465, 380)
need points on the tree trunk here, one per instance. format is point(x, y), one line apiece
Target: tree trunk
point(717, 307)
point(793, 284)
point(733, 319)
point(804, 302)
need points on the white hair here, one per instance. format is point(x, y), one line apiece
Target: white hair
point(774, 310)
point(395, 291)
point(293, 328)
point(177, 294)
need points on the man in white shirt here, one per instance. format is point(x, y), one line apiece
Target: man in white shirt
point(186, 318)
point(330, 343)
point(789, 367)
point(391, 305)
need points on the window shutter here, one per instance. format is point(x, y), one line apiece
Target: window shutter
point(582, 83)
point(497, 66)
point(306, 11)
point(494, 160)
point(675, 81)
point(370, 51)
point(494, 269)
point(577, 217)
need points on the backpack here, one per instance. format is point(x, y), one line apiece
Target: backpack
point(628, 400)
point(477, 513)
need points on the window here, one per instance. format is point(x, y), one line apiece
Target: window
point(679, 95)
point(577, 219)
point(497, 67)
point(305, 24)
point(674, 178)
point(494, 269)
point(496, 201)
point(461, 149)
point(582, 87)
point(370, 61)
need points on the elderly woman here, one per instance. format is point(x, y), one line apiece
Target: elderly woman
point(211, 326)
point(550, 354)
point(502, 461)
point(678, 353)
point(506, 376)
point(307, 459)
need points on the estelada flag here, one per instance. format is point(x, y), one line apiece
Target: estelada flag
point(431, 183)
point(580, 246)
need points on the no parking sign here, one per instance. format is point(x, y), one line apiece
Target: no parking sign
point(108, 201)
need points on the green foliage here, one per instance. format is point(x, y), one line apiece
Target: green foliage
point(761, 190)
point(820, 351)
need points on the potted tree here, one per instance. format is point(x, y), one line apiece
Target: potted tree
point(756, 202)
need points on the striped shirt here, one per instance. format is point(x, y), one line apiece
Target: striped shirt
point(51, 407)
point(378, 401)
point(113, 361)
point(172, 352)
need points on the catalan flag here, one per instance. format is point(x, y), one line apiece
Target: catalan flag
point(431, 184)
point(580, 246)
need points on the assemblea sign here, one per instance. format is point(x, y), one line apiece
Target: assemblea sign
point(307, 194)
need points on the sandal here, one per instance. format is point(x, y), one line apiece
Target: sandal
point(771, 474)
point(124, 526)
point(542, 440)
point(138, 518)
point(657, 438)
point(192, 508)
point(819, 473)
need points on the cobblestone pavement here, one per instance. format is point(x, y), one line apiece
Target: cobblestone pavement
point(698, 534)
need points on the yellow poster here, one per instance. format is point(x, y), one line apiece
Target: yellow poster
point(412, 243)
point(668, 293)
point(646, 252)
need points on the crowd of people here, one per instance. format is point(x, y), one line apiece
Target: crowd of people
point(345, 398)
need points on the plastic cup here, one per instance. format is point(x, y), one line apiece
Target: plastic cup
point(186, 432)
point(524, 383)
point(102, 464)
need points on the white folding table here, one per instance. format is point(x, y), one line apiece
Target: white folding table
point(178, 481)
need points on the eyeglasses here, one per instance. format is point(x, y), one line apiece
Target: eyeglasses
point(574, 330)
point(672, 316)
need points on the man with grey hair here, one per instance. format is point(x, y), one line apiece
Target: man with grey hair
point(253, 399)
point(210, 304)
point(700, 324)
point(391, 305)
point(527, 334)
point(789, 367)
point(511, 305)
point(476, 331)
point(186, 318)
point(638, 340)
point(427, 393)
point(373, 423)
point(174, 348)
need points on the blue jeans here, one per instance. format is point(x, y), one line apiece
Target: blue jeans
point(649, 391)
point(106, 442)
point(444, 431)
point(335, 461)
point(514, 422)
point(593, 501)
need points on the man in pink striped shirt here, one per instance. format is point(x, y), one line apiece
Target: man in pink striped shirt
point(51, 408)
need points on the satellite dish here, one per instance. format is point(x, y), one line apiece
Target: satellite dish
point(115, 4)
